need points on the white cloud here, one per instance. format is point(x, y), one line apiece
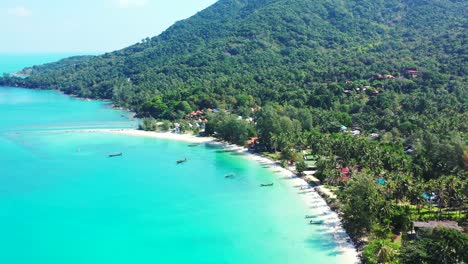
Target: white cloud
point(132, 3)
point(19, 11)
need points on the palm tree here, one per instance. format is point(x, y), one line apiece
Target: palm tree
point(386, 254)
point(416, 195)
point(333, 176)
point(274, 142)
point(403, 186)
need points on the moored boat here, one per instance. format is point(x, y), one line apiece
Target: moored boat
point(316, 222)
point(310, 216)
point(266, 184)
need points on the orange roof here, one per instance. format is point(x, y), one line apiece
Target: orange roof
point(252, 140)
point(344, 170)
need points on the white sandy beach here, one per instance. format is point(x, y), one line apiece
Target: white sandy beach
point(312, 199)
point(160, 135)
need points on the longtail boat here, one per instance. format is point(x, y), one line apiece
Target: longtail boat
point(266, 184)
point(317, 222)
point(181, 160)
point(310, 216)
point(115, 155)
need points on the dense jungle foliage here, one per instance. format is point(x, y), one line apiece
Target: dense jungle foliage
point(239, 53)
point(302, 74)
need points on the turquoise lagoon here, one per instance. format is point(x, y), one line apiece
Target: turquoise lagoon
point(62, 200)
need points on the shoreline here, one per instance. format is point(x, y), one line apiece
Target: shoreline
point(311, 197)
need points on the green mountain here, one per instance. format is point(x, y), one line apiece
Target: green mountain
point(240, 53)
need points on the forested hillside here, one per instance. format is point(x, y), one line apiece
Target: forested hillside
point(376, 90)
point(274, 50)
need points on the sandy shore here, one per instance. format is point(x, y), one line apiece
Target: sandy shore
point(140, 133)
point(160, 135)
point(311, 198)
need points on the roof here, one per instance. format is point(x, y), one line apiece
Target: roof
point(434, 224)
point(252, 140)
point(310, 157)
point(310, 163)
point(344, 170)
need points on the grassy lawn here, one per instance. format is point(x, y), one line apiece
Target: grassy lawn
point(431, 213)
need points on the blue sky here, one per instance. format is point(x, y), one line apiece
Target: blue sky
point(87, 25)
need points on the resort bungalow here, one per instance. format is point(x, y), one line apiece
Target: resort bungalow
point(385, 76)
point(412, 73)
point(431, 198)
point(345, 174)
point(311, 161)
point(251, 142)
point(420, 225)
point(381, 181)
point(177, 129)
point(254, 144)
point(409, 150)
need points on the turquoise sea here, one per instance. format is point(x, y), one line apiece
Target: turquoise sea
point(11, 63)
point(62, 200)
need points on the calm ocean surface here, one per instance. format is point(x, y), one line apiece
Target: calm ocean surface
point(10, 63)
point(62, 200)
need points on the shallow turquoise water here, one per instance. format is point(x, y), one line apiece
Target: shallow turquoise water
point(10, 63)
point(62, 200)
point(32, 110)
